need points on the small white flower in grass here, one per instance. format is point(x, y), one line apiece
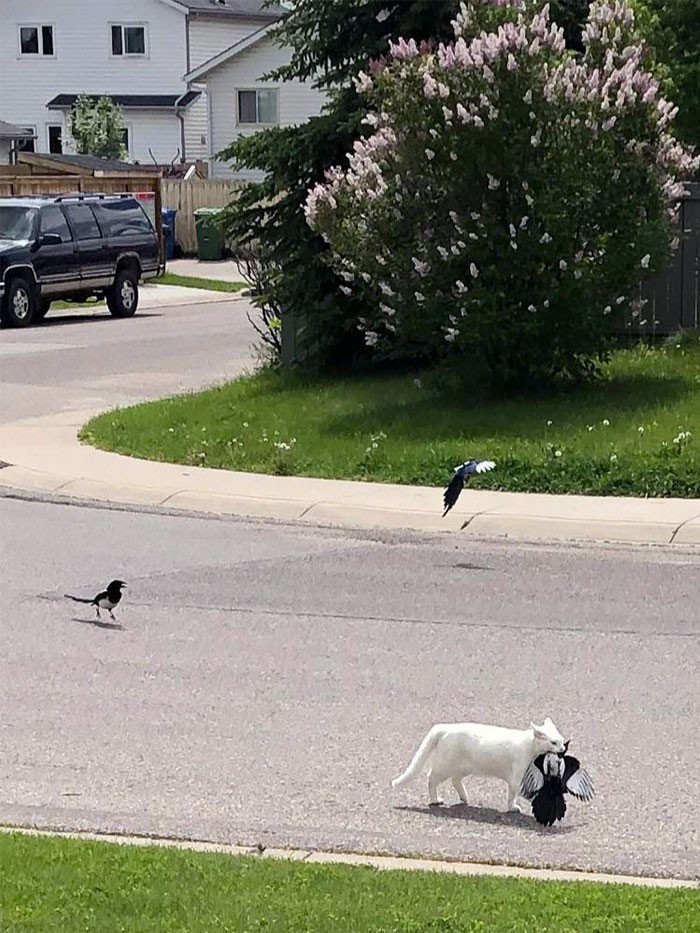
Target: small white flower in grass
point(345, 290)
point(613, 458)
point(386, 290)
point(578, 274)
point(557, 453)
point(473, 236)
point(386, 309)
point(365, 276)
point(606, 423)
point(591, 427)
point(546, 302)
point(371, 338)
point(443, 252)
point(513, 231)
point(417, 383)
point(450, 334)
point(545, 238)
point(447, 113)
point(478, 122)
point(640, 429)
point(454, 156)
point(434, 133)
point(607, 309)
point(524, 222)
point(420, 298)
point(429, 154)
point(381, 260)
point(563, 265)
point(494, 183)
point(513, 244)
point(645, 261)
point(422, 268)
point(473, 271)
point(461, 287)
point(171, 430)
point(528, 97)
point(454, 217)
point(475, 216)
point(549, 424)
point(619, 300)
point(532, 309)
point(245, 424)
point(282, 445)
point(454, 249)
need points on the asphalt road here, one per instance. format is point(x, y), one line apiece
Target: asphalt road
point(91, 361)
point(267, 682)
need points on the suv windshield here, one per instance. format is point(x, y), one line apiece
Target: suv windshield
point(16, 223)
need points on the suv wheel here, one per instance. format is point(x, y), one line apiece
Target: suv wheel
point(19, 304)
point(123, 295)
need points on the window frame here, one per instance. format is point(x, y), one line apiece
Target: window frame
point(257, 90)
point(20, 143)
point(54, 126)
point(74, 229)
point(42, 214)
point(124, 54)
point(40, 55)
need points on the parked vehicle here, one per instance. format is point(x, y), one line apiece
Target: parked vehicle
point(73, 247)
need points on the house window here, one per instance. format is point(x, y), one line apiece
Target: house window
point(258, 106)
point(55, 138)
point(36, 40)
point(128, 40)
point(27, 144)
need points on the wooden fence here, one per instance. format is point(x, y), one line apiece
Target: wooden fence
point(186, 196)
point(671, 301)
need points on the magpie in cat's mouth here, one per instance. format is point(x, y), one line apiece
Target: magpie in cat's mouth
point(462, 474)
point(107, 599)
point(548, 778)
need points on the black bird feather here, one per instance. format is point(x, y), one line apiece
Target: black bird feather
point(462, 474)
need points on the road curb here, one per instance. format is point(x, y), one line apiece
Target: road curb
point(85, 473)
point(380, 862)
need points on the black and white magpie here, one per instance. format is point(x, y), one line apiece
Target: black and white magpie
point(462, 474)
point(548, 778)
point(107, 599)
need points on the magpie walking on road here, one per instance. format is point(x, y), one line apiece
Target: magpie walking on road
point(462, 474)
point(548, 778)
point(107, 599)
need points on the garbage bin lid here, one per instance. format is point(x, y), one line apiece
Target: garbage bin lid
point(207, 210)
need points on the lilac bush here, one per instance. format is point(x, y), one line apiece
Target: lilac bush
point(509, 194)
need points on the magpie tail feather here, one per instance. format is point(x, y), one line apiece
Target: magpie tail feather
point(77, 599)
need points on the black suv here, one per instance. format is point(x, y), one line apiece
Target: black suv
point(72, 247)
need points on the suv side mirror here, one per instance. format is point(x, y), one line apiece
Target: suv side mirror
point(50, 239)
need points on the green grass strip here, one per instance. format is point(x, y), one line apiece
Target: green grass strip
point(53, 885)
point(634, 433)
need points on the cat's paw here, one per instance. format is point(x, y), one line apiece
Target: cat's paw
point(515, 808)
point(436, 803)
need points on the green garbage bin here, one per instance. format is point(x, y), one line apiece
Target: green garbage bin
point(210, 235)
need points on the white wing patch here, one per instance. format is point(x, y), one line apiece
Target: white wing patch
point(484, 466)
point(532, 782)
point(580, 785)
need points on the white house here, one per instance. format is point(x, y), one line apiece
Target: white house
point(135, 51)
point(239, 101)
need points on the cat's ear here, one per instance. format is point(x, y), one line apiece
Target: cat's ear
point(548, 722)
point(539, 733)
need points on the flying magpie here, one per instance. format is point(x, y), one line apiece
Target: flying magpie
point(548, 778)
point(462, 474)
point(107, 599)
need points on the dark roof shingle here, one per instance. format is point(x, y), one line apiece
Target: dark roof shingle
point(131, 101)
point(241, 8)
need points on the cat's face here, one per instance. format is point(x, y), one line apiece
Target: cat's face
point(548, 737)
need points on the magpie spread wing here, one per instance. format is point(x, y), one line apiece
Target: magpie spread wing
point(577, 780)
point(533, 779)
point(483, 466)
point(452, 492)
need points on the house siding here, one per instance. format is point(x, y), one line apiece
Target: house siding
point(83, 63)
point(297, 100)
point(208, 36)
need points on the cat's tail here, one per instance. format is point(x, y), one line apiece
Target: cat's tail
point(420, 759)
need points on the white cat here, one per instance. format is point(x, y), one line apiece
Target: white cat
point(456, 750)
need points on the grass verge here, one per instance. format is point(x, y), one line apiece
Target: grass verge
point(637, 432)
point(67, 885)
point(213, 285)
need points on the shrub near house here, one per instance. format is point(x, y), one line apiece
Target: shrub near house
point(510, 193)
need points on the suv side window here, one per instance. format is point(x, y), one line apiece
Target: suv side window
point(83, 221)
point(124, 217)
point(54, 221)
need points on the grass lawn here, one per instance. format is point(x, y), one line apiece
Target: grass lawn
point(621, 436)
point(52, 885)
point(214, 285)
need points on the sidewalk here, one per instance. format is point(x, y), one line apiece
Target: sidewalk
point(43, 454)
point(223, 270)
